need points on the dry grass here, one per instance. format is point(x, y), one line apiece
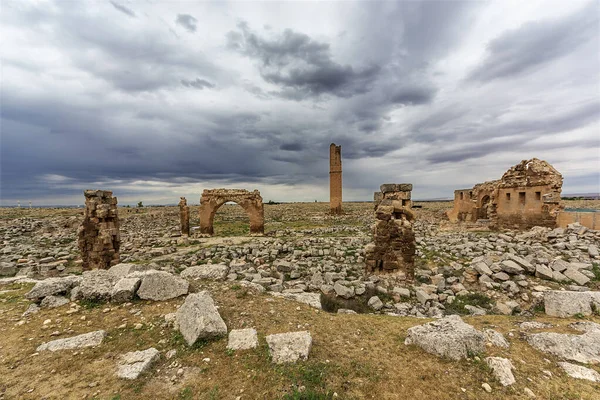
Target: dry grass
point(355, 356)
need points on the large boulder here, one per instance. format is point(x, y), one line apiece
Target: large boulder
point(580, 348)
point(579, 372)
point(161, 285)
point(215, 272)
point(54, 301)
point(198, 318)
point(563, 304)
point(502, 370)
point(76, 342)
point(343, 291)
point(447, 337)
point(133, 364)
point(95, 285)
point(123, 269)
point(124, 289)
point(289, 347)
point(52, 287)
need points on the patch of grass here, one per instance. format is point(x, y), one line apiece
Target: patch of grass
point(90, 304)
point(472, 299)
point(308, 380)
point(186, 394)
point(596, 272)
point(308, 394)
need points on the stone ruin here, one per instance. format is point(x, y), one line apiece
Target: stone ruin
point(251, 202)
point(184, 216)
point(335, 179)
point(527, 195)
point(394, 245)
point(98, 234)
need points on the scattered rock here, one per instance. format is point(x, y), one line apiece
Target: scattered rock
point(580, 348)
point(496, 338)
point(242, 339)
point(76, 342)
point(579, 372)
point(565, 304)
point(161, 286)
point(133, 364)
point(502, 369)
point(53, 286)
point(215, 272)
point(54, 301)
point(124, 289)
point(289, 347)
point(198, 318)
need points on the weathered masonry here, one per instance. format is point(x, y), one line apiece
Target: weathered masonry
point(335, 178)
point(527, 195)
point(184, 216)
point(251, 202)
point(394, 246)
point(98, 234)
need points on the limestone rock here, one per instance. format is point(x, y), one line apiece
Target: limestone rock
point(95, 285)
point(580, 348)
point(511, 267)
point(576, 276)
point(242, 339)
point(447, 337)
point(541, 271)
point(121, 270)
point(124, 289)
point(565, 304)
point(343, 291)
point(496, 338)
point(161, 286)
point(52, 286)
point(375, 303)
point(215, 272)
point(54, 301)
point(289, 347)
point(76, 342)
point(312, 299)
point(133, 364)
point(502, 369)
point(579, 372)
point(198, 318)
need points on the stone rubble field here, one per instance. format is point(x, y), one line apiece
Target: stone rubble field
point(291, 314)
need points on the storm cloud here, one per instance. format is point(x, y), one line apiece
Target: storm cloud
point(163, 100)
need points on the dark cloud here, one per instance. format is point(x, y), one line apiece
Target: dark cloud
point(412, 95)
point(302, 66)
point(187, 21)
point(294, 146)
point(197, 83)
point(534, 44)
point(123, 9)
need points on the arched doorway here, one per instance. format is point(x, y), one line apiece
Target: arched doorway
point(484, 210)
point(213, 199)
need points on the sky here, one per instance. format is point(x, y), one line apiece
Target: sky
point(160, 99)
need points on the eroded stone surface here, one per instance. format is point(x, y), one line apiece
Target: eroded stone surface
point(502, 370)
point(161, 285)
point(217, 272)
point(563, 304)
point(53, 286)
point(289, 347)
point(242, 339)
point(198, 318)
point(580, 348)
point(125, 288)
point(76, 342)
point(135, 363)
point(579, 372)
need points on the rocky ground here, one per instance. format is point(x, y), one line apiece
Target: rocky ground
point(304, 275)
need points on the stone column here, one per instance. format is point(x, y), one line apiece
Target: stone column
point(184, 216)
point(98, 235)
point(335, 178)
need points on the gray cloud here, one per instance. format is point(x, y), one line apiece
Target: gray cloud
point(301, 65)
point(187, 21)
point(197, 83)
point(534, 44)
point(123, 9)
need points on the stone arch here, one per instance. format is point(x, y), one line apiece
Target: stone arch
point(484, 208)
point(251, 202)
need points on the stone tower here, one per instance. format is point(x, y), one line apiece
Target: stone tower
point(184, 216)
point(335, 178)
point(99, 238)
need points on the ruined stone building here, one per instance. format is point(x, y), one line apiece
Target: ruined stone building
point(184, 216)
point(98, 235)
point(393, 248)
point(527, 195)
point(251, 202)
point(335, 178)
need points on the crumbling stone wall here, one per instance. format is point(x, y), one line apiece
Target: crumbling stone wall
point(394, 245)
point(184, 216)
point(527, 195)
point(335, 178)
point(251, 202)
point(98, 235)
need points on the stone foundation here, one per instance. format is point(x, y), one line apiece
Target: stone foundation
point(98, 235)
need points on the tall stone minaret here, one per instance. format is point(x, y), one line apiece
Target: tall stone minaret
point(335, 178)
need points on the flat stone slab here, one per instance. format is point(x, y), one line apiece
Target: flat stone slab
point(54, 301)
point(161, 285)
point(198, 318)
point(502, 370)
point(215, 272)
point(53, 286)
point(90, 339)
point(133, 364)
point(312, 299)
point(563, 303)
point(95, 285)
point(242, 339)
point(289, 347)
point(580, 348)
point(447, 337)
point(121, 270)
point(124, 289)
point(579, 372)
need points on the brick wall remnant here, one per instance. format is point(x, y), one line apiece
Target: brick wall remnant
point(393, 248)
point(527, 195)
point(184, 216)
point(98, 234)
point(335, 179)
point(251, 202)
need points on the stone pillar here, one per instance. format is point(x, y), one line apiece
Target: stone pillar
point(335, 178)
point(184, 216)
point(98, 235)
point(393, 248)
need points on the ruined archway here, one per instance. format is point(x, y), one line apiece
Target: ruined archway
point(484, 209)
point(251, 202)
